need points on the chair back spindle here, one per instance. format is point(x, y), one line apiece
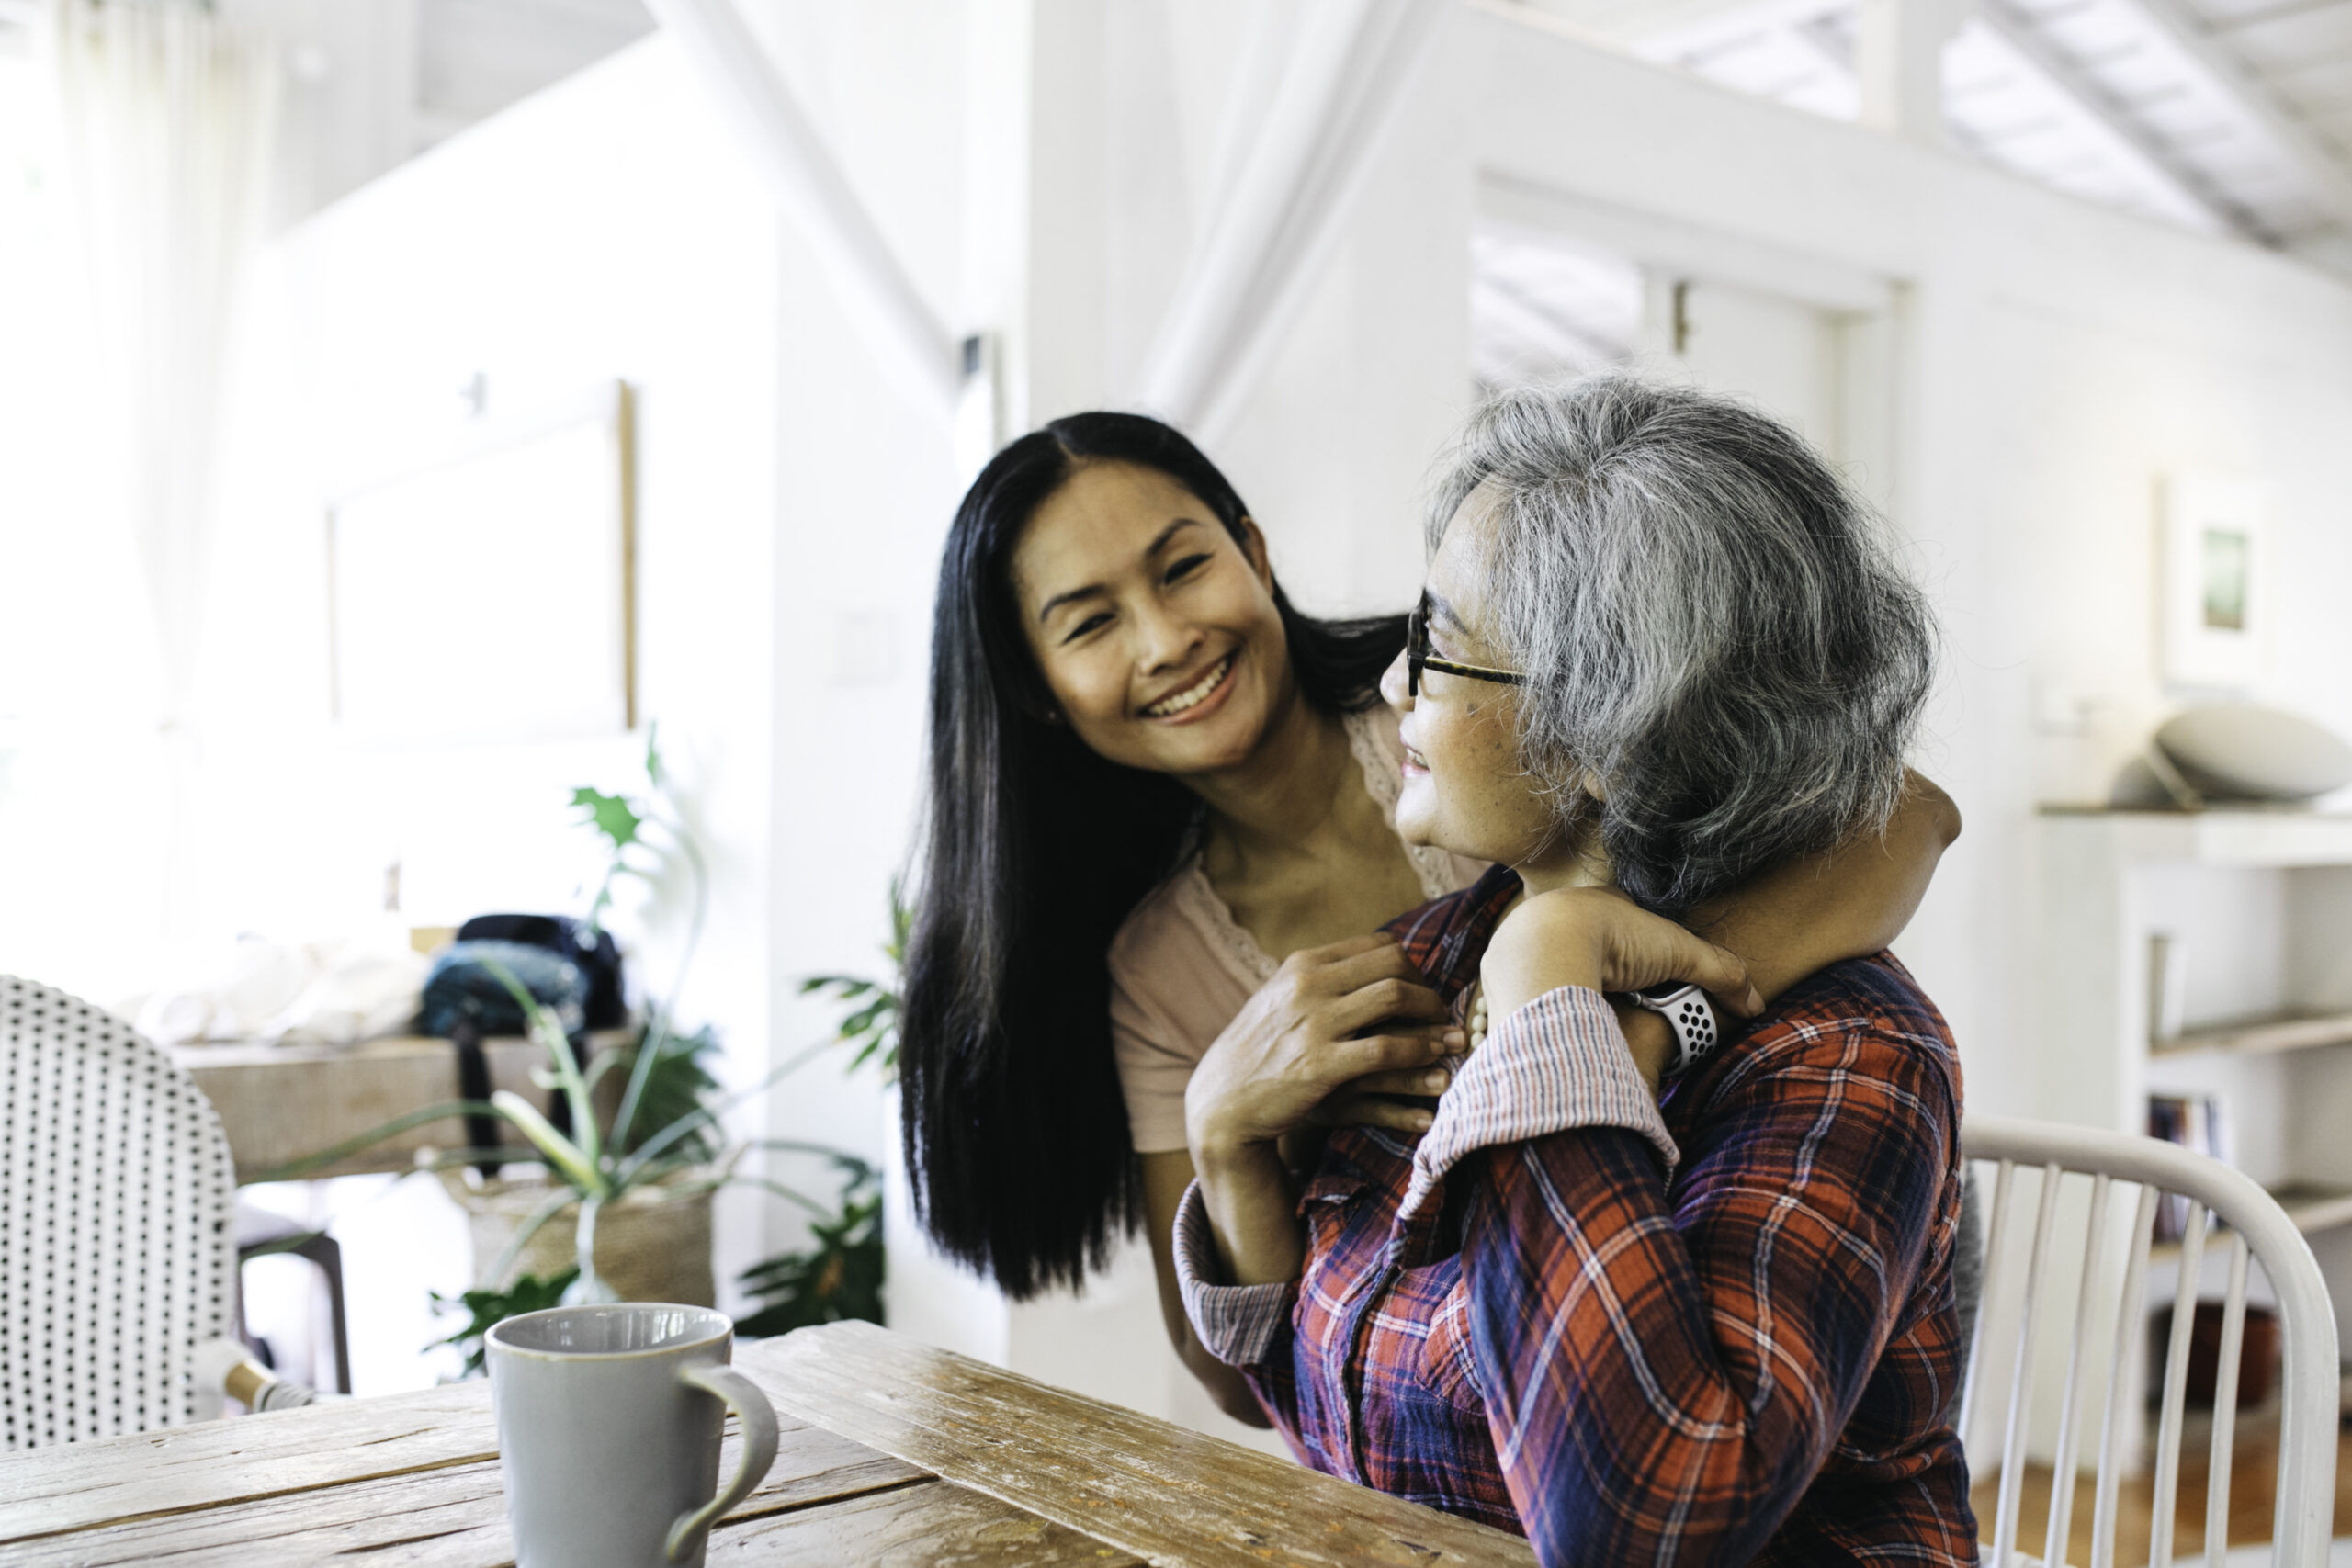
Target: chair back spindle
point(2078, 1170)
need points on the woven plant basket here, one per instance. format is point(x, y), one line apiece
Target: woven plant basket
point(654, 1245)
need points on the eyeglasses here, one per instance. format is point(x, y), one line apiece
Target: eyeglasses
point(1416, 656)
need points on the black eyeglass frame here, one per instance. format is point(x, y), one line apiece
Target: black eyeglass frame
point(1417, 658)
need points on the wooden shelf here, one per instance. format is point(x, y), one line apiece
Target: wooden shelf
point(2315, 1208)
point(2286, 837)
point(279, 1102)
point(2311, 1207)
point(2260, 1036)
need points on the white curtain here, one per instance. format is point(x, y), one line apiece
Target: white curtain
point(167, 120)
point(1315, 97)
point(1290, 162)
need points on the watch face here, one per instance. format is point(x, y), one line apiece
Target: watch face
point(1666, 991)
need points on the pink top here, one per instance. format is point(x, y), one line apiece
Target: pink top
point(1181, 967)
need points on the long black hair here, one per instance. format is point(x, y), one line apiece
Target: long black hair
point(1016, 1133)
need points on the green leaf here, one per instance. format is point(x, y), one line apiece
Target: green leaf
point(688, 1126)
point(554, 1203)
point(869, 1022)
point(902, 925)
point(790, 1195)
point(448, 1109)
point(615, 816)
point(848, 986)
point(486, 1308)
point(858, 1171)
point(548, 1030)
point(840, 1276)
point(670, 1079)
point(562, 1153)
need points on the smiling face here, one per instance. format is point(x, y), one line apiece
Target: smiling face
point(1465, 788)
point(1156, 632)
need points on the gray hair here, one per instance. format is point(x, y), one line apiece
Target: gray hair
point(1710, 625)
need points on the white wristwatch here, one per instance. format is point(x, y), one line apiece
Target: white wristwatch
point(1688, 1013)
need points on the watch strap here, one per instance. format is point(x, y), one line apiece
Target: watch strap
point(1689, 1014)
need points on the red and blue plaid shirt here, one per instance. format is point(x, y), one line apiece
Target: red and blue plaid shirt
point(1713, 1328)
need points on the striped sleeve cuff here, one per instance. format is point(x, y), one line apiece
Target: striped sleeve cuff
point(1239, 1324)
point(1557, 1063)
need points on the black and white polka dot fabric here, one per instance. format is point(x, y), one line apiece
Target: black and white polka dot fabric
point(117, 1251)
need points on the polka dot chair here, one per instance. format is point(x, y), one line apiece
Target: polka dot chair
point(117, 1252)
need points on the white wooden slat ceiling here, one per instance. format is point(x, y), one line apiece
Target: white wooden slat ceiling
point(2220, 115)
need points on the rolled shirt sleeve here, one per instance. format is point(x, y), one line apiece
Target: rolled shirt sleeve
point(1556, 1063)
point(1242, 1326)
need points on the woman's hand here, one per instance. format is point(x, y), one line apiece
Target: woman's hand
point(1597, 938)
point(1299, 1039)
point(1298, 1052)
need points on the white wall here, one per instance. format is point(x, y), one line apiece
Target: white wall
point(603, 230)
point(864, 485)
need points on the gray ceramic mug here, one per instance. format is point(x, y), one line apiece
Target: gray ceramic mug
point(609, 1424)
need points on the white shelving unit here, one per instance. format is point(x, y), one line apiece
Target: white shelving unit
point(2261, 904)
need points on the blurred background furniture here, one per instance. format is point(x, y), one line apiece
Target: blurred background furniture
point(115, 1239)
point(278, 1103)
point(261, 1233)
point(2204, 957)
point(2071, 1293)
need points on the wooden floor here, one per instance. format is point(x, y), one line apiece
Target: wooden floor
point(2253, 1495)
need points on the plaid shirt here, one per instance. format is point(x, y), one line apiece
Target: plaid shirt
point(1514, 1318)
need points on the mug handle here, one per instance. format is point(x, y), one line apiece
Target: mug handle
point(756, 1418)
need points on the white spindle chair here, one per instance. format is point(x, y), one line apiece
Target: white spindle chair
point(2251, 1225)
point(117, 1248)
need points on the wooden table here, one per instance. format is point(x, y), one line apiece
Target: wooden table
point(280, 1102)
point(892, 1452)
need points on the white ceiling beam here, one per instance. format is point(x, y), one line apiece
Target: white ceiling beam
point(1898, 63)
point(2123, 137)
point(2330, 180)
point(912, 344)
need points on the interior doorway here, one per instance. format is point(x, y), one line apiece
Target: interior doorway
point(1545, 305)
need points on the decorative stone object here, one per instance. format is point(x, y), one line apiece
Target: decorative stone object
point(2244, 751)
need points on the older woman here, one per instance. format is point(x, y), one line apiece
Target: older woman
point(1660, 650)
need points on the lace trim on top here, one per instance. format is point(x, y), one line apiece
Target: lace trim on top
point(1377, 753)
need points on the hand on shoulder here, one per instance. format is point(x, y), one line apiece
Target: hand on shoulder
point(1597, 938)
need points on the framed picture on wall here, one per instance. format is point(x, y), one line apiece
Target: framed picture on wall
point(489, 593)
point(2216, 607)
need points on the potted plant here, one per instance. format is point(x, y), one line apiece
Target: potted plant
point(838, 1275)
point(635, 1176)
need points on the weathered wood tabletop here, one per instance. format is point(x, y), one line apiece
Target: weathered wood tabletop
point(892, 1452)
